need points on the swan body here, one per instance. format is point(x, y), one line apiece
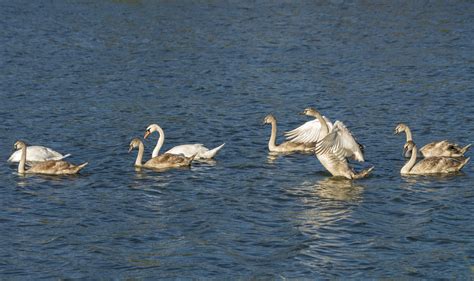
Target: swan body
point(37, 153)
point(431, 165)
point(164, 161)
point(334, 144)
point(287, 146)
point(437, 148)
point(188, 150)
point(49, 167)
point(444, 148)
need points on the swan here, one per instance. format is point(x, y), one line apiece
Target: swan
point(334, 144)
point(37, 153)
point(285, 146)
point(49, 167)
point(430, 165)
point(437, 148)
point(187, 150)
point(163, 161)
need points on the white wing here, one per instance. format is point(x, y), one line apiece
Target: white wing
point(37, 153)
point(189, 150)
point(308, 132)
point(341, 143)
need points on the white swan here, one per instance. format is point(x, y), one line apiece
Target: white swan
point(431, 165)
point(284, 147)
point(334, 144)
point(437, 148)
point(37, 153)
point(164, 161)
point(49, 167)
point(187, 150)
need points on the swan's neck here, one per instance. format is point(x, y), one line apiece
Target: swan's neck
point(272, 141)
point(324, 125)
point(159, 144)
point(408, 133)
point(21, 165)
point(409, 165)
point(141, 150)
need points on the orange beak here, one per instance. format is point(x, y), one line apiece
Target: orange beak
point(147, 133)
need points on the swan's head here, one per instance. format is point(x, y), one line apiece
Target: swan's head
point(400, 128)
point(408, 147)
point(309, 111)
point(134, 144)
point(150, 129)
point(19, 145)
point(269, 119)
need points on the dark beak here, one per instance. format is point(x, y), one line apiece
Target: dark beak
point(147, 133)
point(405, 150)
point(302, 113)
point(130, 149)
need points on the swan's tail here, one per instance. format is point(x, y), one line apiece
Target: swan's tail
point(79, 167)
point(464, 163)
point(466, 148)
point(61, 158)
point(211, 153)
point(363, 173)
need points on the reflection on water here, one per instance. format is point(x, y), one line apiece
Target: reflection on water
point(339, 189)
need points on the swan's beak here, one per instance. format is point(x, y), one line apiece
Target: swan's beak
point(396, 132)
point(302, 113)
point(405, 150)
point(130, 149)
point(147, 133)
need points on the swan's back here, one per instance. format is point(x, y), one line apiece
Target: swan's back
point(443, 148)
point(55, 167)
point(37, 153)
point(438, 164)
point(169, 161)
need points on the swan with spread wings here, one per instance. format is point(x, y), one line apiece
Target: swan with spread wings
point(334, 144)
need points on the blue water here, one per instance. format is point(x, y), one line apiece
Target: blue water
point(85, 77)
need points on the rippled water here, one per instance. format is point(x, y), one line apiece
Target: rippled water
point(85, 77)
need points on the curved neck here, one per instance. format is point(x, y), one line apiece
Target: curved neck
point(272, 141)
point(21, 164)
point(324, 125)
point(408, 133)
point(141, 149)
point(159, 144)
point(407, 167)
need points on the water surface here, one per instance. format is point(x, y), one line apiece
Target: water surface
point(85, 77)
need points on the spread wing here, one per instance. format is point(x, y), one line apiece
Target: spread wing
point(341, 143)
point(308, 132)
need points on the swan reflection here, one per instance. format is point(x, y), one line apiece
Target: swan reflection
point(326, 218)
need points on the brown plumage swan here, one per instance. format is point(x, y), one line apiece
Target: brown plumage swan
point(430, 165)
point(285, 147)
point(163, 161)
point(437, 148)
point(49, 167)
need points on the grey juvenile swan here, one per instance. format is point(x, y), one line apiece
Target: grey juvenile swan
point(437, 148)
point(431, 165)
point(49, 167)
point(285, 147)
point(334, 144)
point(164, 161)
